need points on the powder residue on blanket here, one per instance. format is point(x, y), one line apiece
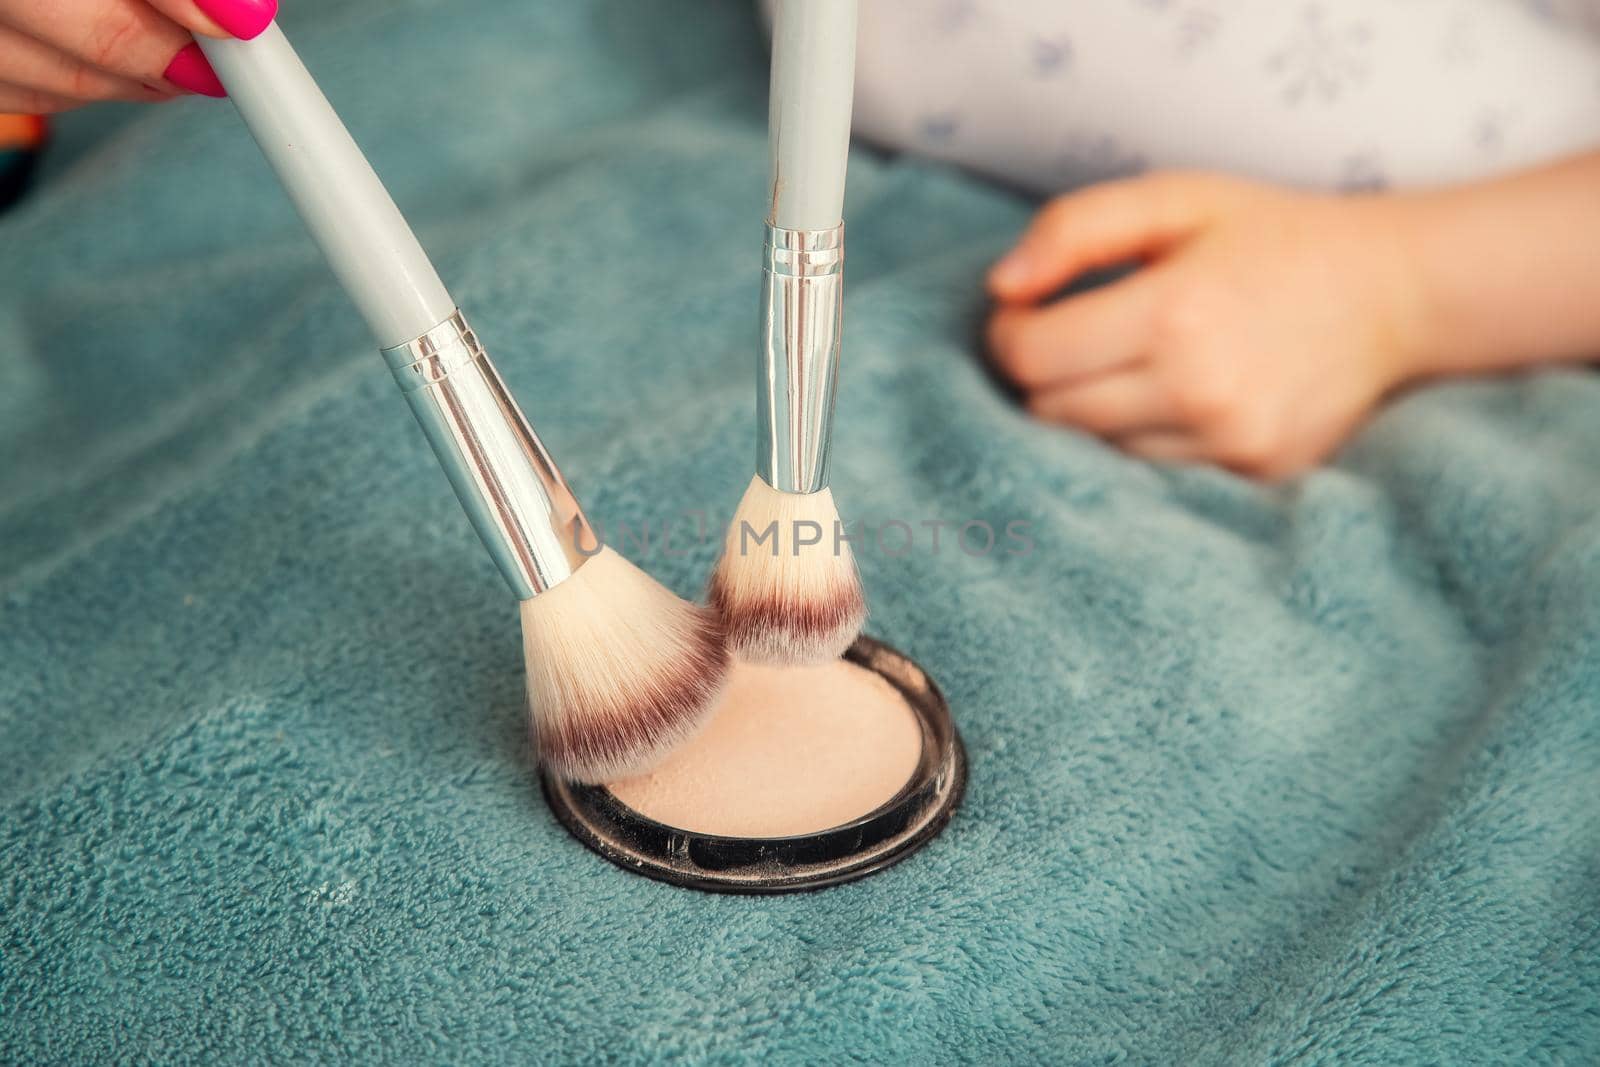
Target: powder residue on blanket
point(791, 750)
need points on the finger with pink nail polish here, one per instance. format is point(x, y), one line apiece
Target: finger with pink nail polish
point(190, 70)
point(244, 19)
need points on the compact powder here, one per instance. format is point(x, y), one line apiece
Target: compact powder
point(804, 778)
point(790, 750)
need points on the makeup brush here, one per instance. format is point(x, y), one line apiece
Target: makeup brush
point(787, 585)
point(619, 670)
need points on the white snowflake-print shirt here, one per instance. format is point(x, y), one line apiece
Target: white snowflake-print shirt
point(1338, 94)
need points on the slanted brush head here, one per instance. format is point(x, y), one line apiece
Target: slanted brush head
point(620, 671)
point(783, 600)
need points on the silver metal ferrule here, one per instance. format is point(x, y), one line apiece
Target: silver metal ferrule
point(516, 498)
point(802, 312)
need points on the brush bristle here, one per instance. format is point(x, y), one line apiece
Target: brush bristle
point(620, 671)
point(784, 603)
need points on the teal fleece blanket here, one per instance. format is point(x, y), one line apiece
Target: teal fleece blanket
point(1259, 775)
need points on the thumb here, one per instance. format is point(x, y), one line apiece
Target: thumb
point(1105, 225)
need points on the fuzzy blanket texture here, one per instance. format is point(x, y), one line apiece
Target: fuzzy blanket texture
point(1259, 775)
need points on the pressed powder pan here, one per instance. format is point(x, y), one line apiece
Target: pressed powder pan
point(780, 864)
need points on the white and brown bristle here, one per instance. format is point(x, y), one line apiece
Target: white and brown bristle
point(620, 670)
point(784, 601)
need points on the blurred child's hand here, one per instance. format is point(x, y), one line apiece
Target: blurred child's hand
point(60, 54)
point(1263, 327)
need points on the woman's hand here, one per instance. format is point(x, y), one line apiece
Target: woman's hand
point(60, 54)
point(1263, 327)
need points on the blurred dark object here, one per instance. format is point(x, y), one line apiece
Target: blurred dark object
point(22, 138)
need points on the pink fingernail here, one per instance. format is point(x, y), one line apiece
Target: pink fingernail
point(190, 70)
point(244, 19)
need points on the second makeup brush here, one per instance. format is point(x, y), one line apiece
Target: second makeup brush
point(619, 670)
point(787, 584)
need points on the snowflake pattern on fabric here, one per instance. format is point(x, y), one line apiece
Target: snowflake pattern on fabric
point(1324, 58)
point(1581, 15)
point(1092, 156)
point(1193, 24)
point(953, 16)
point(939, 129)
point(1357, 95)
point(1197, 28)
point(1362, 173)
point(1491, 128)
point(1051, 57)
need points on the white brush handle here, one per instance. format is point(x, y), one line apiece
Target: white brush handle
point(813, 79)
point(371, 249)
point(511, 490)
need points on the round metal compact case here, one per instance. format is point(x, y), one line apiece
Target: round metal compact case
point(862, 846)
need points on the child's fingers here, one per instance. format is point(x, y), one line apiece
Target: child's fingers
point(244, 19)
point(35, 65)
point(128, 38)
point(1104, 225)
point(1112, 405)
point(1075, 337)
